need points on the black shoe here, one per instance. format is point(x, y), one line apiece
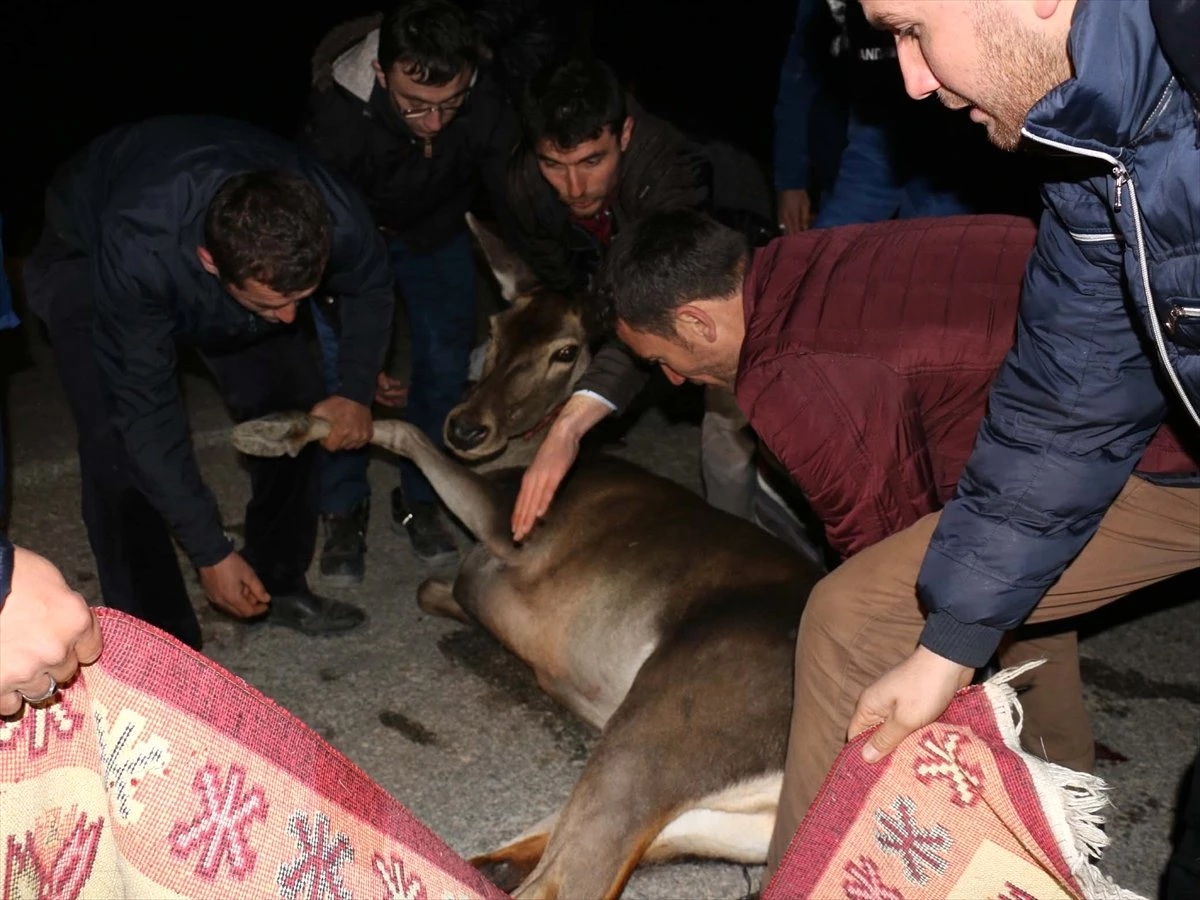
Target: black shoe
point(342, 563)
point(312, 614)
point(431, 542)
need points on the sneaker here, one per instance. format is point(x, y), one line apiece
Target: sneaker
point(431, 542)
point(312, 614)
point(342, 563)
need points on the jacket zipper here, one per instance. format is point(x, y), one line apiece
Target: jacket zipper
point(429, 148)
point(1122, 180)
point(1179, 312)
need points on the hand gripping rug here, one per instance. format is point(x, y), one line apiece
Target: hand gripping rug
point(958, 810)
point(158, 774)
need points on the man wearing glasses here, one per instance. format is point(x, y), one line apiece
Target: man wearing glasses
point(405, 106)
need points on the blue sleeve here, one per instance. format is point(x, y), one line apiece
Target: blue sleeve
point(7, 320)
point(6, 548)
point(798, 84)
point(1070, 412)
point(359, 275)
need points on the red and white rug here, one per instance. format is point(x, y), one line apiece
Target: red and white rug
point(958, 810)
point(158, 774)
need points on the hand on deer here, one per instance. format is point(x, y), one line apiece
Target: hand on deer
point(390, 392)
point(349, 422)
point(233, 587)
point(906, 699)
point(553, 460)
point(47, 631)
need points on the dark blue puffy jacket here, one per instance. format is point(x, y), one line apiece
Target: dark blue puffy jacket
point(8, 319)
point(1107, 341)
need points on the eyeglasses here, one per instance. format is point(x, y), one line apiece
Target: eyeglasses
point(420, 112)
point(450, 104)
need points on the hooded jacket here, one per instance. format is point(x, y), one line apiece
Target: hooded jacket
point(1108, 336)
point(418, 189)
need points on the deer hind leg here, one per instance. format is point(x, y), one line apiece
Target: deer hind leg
point(733, 825)
point(696, 698)
point(508, 866)
point(435, 596)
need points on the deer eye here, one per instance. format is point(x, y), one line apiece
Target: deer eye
point(566, 354)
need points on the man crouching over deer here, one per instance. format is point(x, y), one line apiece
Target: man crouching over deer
point(863, 357)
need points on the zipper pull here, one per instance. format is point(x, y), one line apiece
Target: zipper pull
point(1120, 176)
point(429, 151)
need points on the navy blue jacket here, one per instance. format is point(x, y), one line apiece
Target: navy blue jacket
point(8, 319)
point(134, 202)
point(1108, 336)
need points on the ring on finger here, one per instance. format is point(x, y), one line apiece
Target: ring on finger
point(51, 691)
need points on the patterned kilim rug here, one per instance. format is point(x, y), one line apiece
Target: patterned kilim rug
point(159, 774)
point(958, 810)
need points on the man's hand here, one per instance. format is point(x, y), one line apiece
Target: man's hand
point(232, 586)
point(795, 211)
point(46, 631)
point(907, 698)
point(349, 421)
point(389, 391)
point(553, 460)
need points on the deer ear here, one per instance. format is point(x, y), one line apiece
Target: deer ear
point(514, 277)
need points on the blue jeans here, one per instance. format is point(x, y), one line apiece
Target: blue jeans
point(873, 186)
point(438, 290)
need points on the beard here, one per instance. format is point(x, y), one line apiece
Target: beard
point(1025, 66)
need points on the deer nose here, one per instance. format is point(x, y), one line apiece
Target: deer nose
point(465, 434)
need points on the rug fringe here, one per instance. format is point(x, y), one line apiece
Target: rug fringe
point(1073, 801)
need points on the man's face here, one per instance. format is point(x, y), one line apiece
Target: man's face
point(682, 360)
point(267, 302)
point(426, 108)
point(585, 175)
point(995, 57)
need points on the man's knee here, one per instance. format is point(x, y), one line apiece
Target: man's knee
point(829, 621)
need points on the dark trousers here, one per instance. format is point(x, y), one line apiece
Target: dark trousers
point(1182, 879)
point(136, 563)
point(439, 294)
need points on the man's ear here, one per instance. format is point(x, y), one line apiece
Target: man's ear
point(694, 323)
point(626, 134)
point(380, 75)
point(206, 261)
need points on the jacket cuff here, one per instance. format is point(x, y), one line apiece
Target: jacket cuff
point(356, 382)
point(214, 549)
point(595, 396)
point(968, 644)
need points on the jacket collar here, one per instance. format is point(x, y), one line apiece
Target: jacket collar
point(1119, 82)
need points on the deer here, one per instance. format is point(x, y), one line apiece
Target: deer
point(664, 623)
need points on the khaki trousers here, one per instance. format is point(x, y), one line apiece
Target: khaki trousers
point(863, 619)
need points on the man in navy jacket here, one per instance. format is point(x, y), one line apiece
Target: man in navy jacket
point(204, 232)
point(1107, 346)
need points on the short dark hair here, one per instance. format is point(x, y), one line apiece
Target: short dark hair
point(272, 226)
point(433, 40)
point(667, 259)
point(571, 101)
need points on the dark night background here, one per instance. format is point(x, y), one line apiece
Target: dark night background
point(70, 70)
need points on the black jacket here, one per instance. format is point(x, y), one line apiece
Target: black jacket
point(134, 202)
point(659, 170)
point(354, 128)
